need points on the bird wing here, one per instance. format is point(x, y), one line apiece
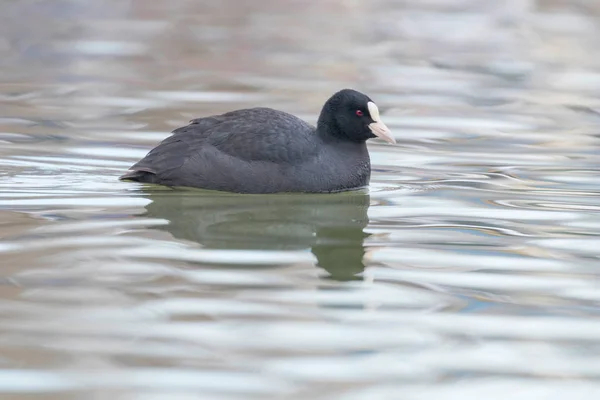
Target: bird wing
point(249, 135)
point(263, 134)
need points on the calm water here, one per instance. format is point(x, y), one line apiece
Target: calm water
point(470, 268)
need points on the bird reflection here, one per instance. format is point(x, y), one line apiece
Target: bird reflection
point(331, 225)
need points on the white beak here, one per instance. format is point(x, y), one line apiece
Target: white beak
point(378, 127)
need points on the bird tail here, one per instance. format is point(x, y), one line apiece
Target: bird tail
point(139, 175)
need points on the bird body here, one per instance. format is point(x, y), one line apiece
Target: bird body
point(261, 150)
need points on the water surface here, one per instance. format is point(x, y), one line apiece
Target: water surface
point(468, 270)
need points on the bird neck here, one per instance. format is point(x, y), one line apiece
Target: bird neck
point(327, 128)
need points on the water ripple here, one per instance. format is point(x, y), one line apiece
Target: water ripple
point(467, 270)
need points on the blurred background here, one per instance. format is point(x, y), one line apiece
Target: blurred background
point(469, 269)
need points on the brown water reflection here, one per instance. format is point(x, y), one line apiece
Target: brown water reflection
point(469, 270)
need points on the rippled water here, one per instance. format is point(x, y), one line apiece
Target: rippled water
point(469, 269)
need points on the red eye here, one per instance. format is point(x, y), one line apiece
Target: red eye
point(359, 113)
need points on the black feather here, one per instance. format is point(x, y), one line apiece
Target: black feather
point(261, 150)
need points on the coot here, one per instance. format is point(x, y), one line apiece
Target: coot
point(261, 150)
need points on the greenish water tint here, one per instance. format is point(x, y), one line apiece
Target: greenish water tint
point(330, 226)
point(467, 270)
